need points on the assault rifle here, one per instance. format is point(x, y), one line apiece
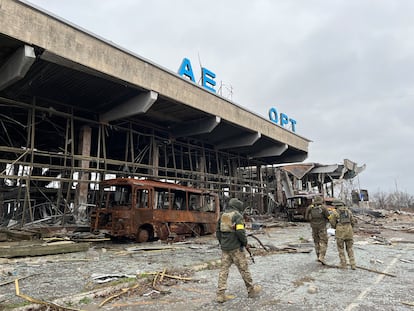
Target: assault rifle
point(250, 253)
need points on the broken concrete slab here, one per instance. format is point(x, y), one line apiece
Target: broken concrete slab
point(40, 248)
point(18, 234)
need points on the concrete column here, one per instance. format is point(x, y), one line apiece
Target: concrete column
point(260, 180)
point(155, 158)
point(279, 187)
point(202, 169)
point(82, 188)
point(232, 174)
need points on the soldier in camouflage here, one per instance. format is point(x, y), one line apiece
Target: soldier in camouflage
point(231, 235)
point(343, 221)
point(318, 214)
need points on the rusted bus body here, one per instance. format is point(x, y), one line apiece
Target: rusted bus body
point(146, 210)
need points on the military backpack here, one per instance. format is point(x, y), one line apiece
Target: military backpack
point(344, 216)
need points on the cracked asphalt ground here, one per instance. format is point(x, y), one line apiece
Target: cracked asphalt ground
point(289, 274)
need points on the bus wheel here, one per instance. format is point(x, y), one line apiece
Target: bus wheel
point(143, 236)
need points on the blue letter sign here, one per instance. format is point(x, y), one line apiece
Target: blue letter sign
point(207, 76)
point(273, 115)
point(186, 70)
point(281, 118)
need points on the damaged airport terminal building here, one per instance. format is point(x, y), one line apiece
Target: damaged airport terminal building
point(77, 109)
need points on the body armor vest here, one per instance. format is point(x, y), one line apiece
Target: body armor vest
point(316, 212)
point(226, 224)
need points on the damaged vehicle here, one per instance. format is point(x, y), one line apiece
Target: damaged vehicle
point(147, 210)
point(297, 204)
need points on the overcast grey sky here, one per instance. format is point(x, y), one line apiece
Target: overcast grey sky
point(343, 69)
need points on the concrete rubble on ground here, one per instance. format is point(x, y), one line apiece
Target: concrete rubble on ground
point(183, 275)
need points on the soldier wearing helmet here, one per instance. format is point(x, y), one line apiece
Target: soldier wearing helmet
point(232, 238)
point(317, 214)
point(343, 221)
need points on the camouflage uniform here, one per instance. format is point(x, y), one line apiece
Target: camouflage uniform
point(343, 221)
point(318, 214)
point(231, 235)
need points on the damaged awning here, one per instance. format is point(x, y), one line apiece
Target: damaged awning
point(327, 172)
point(299, 170)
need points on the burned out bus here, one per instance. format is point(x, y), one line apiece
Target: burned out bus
point(146, 210)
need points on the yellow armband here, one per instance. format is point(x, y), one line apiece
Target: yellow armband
point(239, 227)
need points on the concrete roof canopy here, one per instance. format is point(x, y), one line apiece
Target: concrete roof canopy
point(58, 64)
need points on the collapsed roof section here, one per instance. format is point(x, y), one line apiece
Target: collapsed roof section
point(319, 175)
point(325, 173)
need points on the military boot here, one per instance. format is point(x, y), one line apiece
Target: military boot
point(342, 261)
point(254, 291)
point(352, 260)
point(321, 259)
point(224, 298)
point(220, 297)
